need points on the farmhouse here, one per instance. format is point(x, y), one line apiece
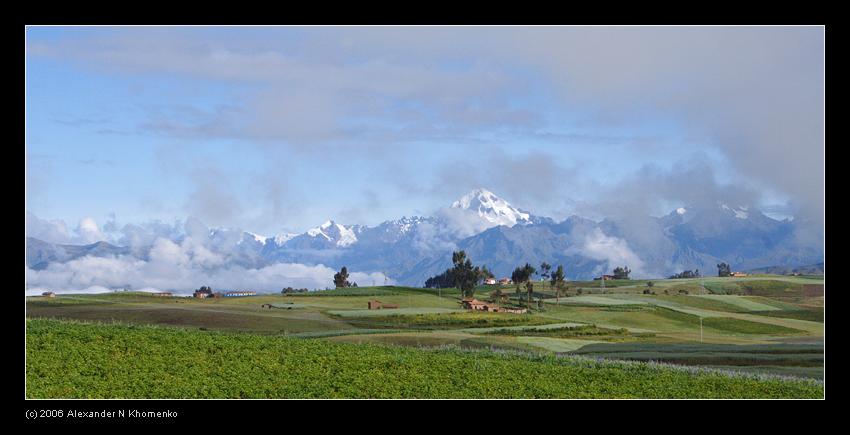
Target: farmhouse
point(490, 281)
point(237, 294)
point(475, 304)
point(604, 278)
point(378, 305)
point(162, 294)
point(49, 294)
point(505, 281)
point(738, 274)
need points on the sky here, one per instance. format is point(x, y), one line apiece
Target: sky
point(277, 129)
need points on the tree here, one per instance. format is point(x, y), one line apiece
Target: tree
point(622, 272)
point(463, 274)
point(724, 269)
point(443, 280)
point(527, 272)
point(498, 295)
point(516, 277)
point(522, 275)
point(484, 273)
point(341, 278)
point(557, 280)
point(544, 270)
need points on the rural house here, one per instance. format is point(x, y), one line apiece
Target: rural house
point(505, 281)
point(378, 305)
point(49, 294)
point(162, 294)
point(740, 274)
point(475, 304)
point(604, 278)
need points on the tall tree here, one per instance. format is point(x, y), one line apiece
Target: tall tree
point(544, 270)
point(341, 278)
point(528, 272)
point(516, 277)
point(464, 275)
point(557, 281)
point(724, 269)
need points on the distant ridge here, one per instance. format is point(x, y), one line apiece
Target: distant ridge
point(812, 269)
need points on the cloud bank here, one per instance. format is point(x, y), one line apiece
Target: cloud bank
point(181, 258)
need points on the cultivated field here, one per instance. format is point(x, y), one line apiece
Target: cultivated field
point(76, 360)
point(762, 325)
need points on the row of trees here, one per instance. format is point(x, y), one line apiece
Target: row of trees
point(462, 275)
point(686, 274)
point(523, 274)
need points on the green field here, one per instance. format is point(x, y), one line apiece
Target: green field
point(74, 360)
point(621, 318)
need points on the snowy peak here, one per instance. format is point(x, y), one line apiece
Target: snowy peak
point(331, 231)
point(280, 239)
point(491, 208)
point(258, 238)
point(740, 212)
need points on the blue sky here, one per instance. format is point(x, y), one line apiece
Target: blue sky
point(277, 129)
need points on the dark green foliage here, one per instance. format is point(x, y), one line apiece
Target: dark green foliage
point(544, 270)
point(443, 280)
point(341, 278)
point(622, 272)
point(686, 274)
point(464, 275)
point(724, 270)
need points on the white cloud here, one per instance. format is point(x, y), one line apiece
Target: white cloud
point(89, 232)
point(614, 251)
point(54, 231)
point(182, 268)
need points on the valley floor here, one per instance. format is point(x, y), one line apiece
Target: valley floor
point(755, 327)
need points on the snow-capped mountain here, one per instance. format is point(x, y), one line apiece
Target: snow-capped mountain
point(340, 235)
point(491, 208)
point(411, 249)
point(329, 235)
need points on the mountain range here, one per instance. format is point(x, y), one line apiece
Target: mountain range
point(495, 233)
